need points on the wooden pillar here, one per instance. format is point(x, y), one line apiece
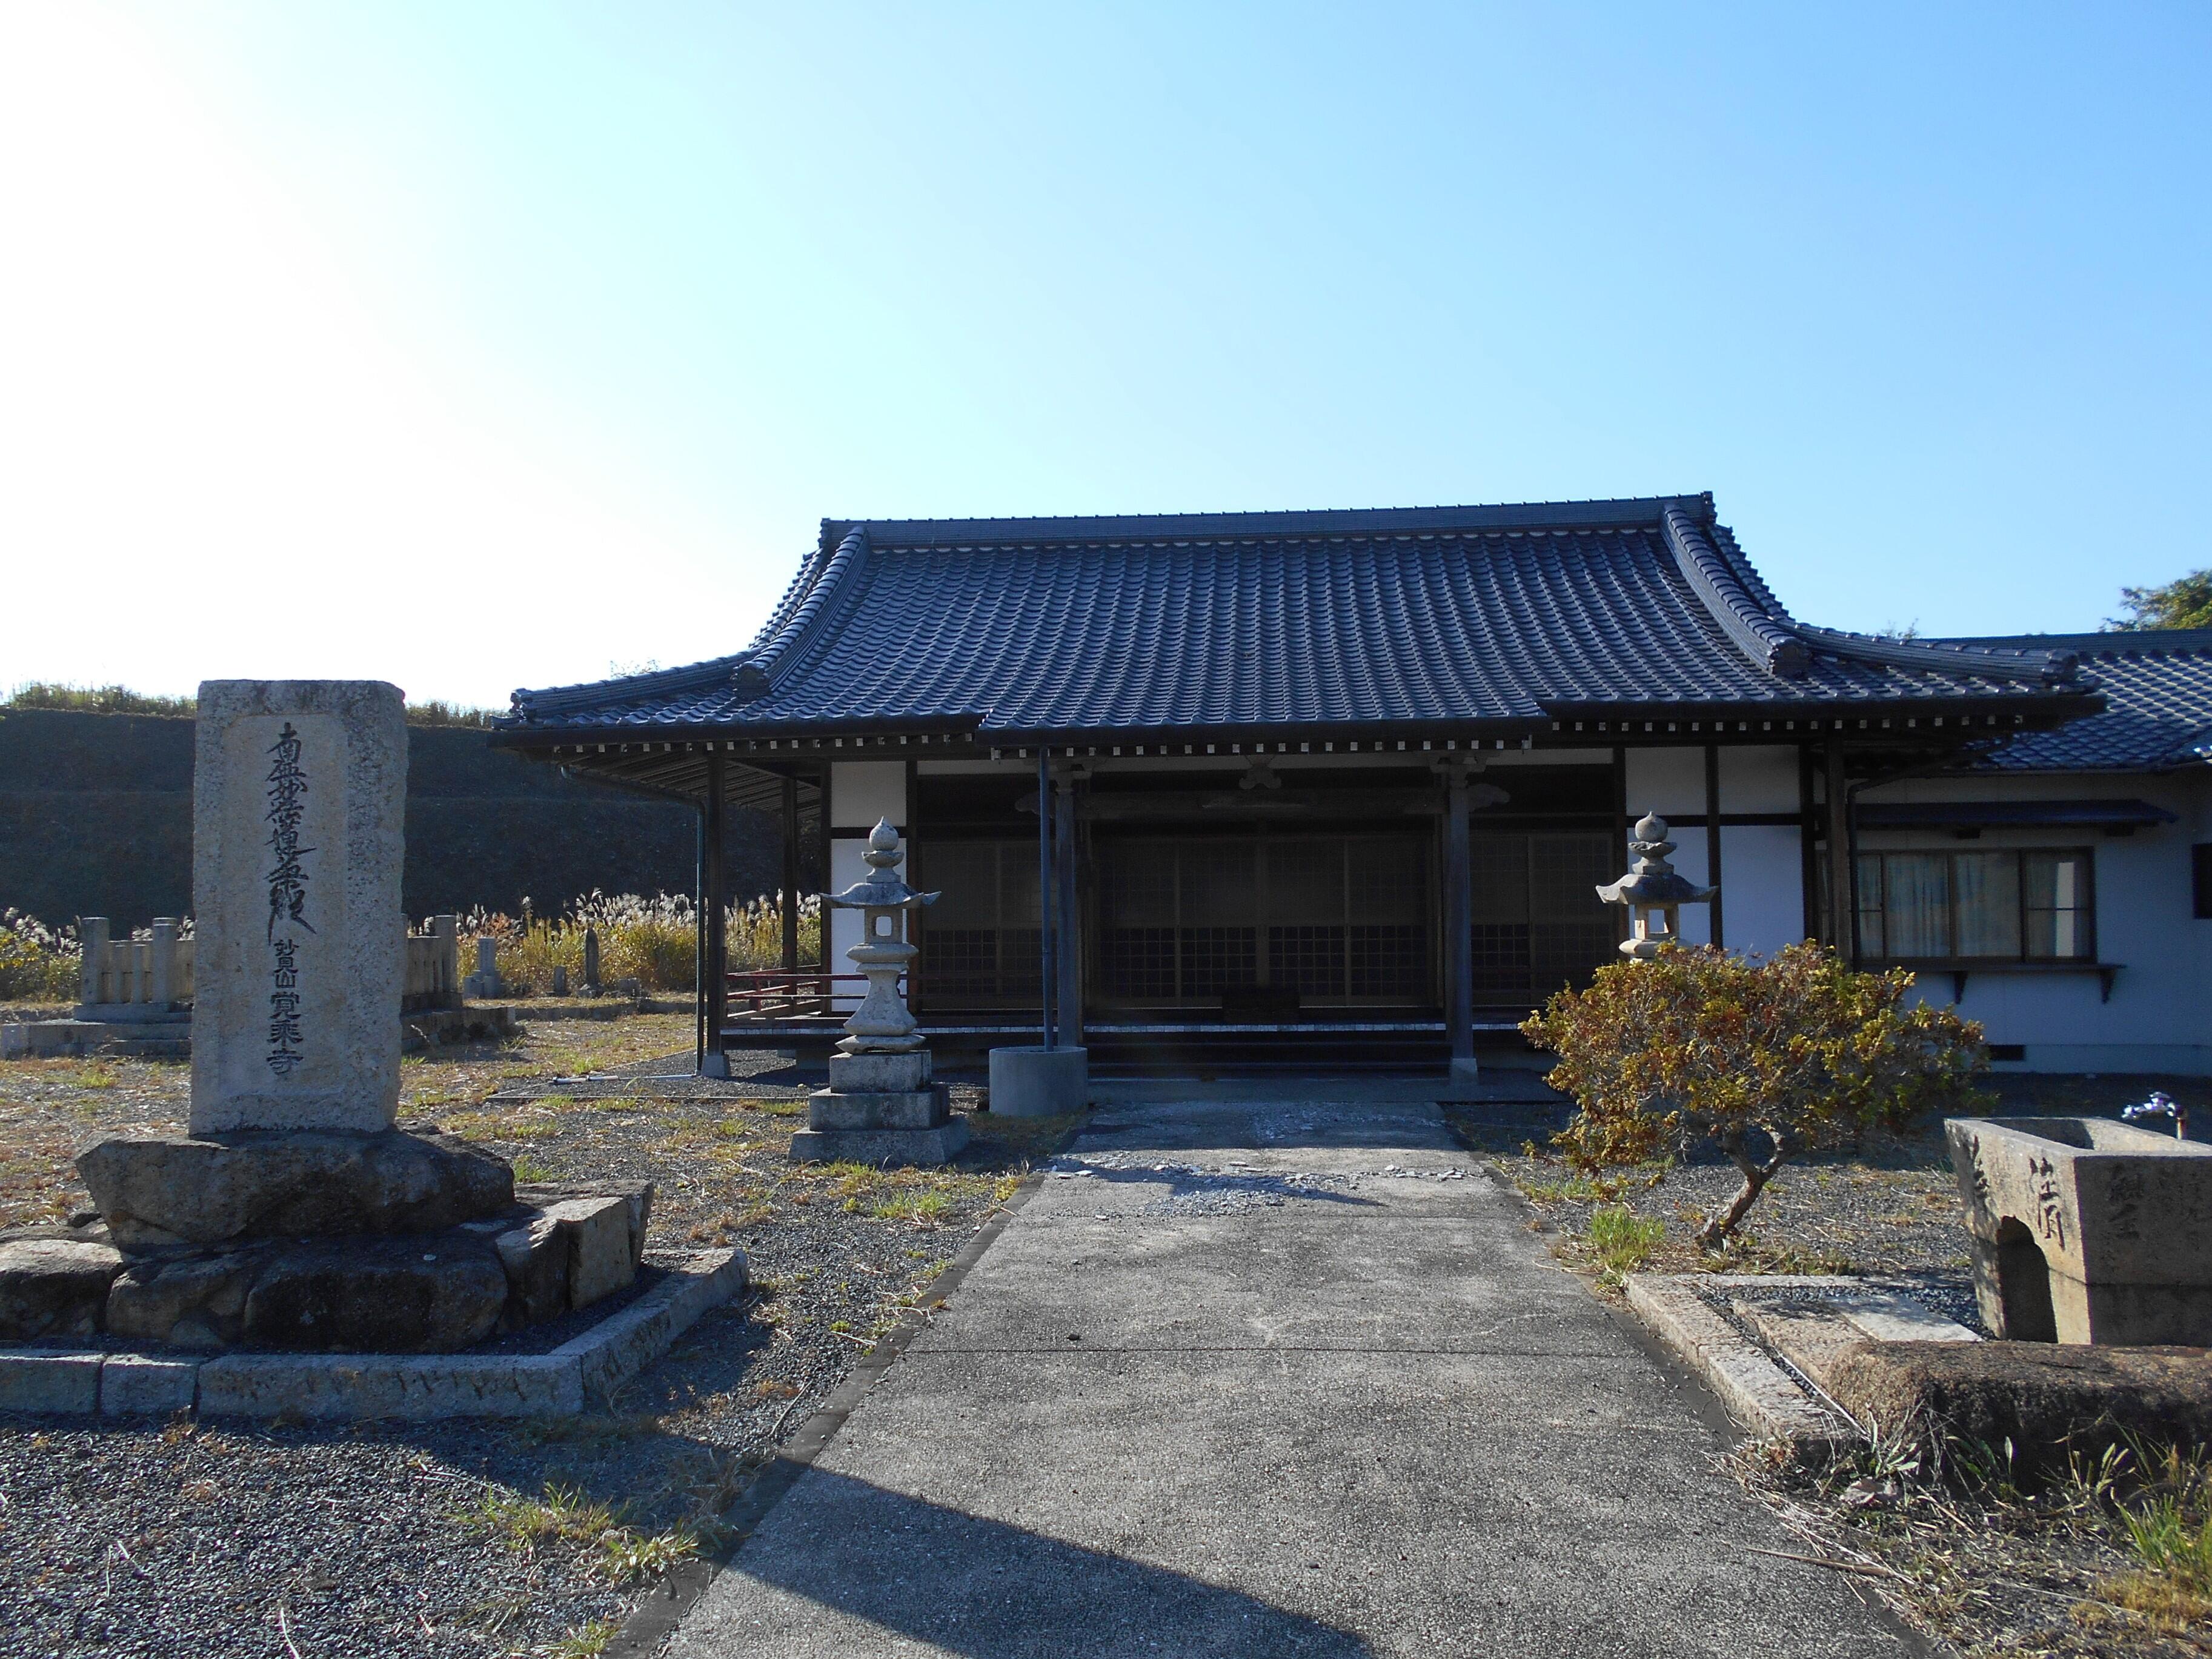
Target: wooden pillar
point(698, 945)
point(1459, 890)
point(714, 999)
point(1047, 963)
point(1713, 837)
point(791, 875)
point(1067, 935)
point(1843, 913)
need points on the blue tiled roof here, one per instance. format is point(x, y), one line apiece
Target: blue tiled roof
point(2158, 703)
point(1407, 616)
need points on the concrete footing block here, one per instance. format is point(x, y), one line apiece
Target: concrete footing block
point(610, 1353)
point(45, 1380)
point(1039, 1082)
point(408, 1386)
point(923, 1148)
point(137, 1385)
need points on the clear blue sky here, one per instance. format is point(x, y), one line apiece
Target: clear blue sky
point(472, 346)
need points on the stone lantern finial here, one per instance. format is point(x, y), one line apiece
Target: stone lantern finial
point(1654, 891)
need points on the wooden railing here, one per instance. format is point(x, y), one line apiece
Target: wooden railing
point(148, 974)
point(773, 993)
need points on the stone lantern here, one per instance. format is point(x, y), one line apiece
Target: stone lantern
point(1654, 891)
point(882, 1024)
point(881, 1106)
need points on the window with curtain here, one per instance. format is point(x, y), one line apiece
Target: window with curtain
point(2009, 905)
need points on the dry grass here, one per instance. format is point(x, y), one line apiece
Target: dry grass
point(50, 1109)
point(2110, 1559)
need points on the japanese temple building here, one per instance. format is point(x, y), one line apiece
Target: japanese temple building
point(1344, 783)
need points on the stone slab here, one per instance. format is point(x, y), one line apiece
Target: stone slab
point(921, 1108)
point(1758, 1393)
point(129, 1040)
point(159, 1190)
point(54, 1288)
point(618, 1348)
point(139, 1385)
point(49, 1381)
point(924, 1148)
point(597, 1233)
point(1039, 1082)
point(347, 1387)
point(435, 1294)
point(879, 1074)
point(299, 800)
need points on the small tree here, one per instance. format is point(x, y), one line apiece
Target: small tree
point(1699, 1043)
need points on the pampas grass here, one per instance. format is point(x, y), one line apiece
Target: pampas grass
point(648, 939)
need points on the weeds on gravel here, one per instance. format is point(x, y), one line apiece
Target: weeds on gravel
point(585, 1642)
point(529, 1167)
point(561, 1514)
point(1624, 1241)
point(528, 1123)
point(564, 1514)
point(628, 1557)
point(923, 1209)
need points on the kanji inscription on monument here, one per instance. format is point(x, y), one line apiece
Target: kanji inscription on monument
point(300, 797)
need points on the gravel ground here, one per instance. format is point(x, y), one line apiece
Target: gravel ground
point(320, 1541)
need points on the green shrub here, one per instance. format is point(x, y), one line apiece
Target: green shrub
point(1698, 1044)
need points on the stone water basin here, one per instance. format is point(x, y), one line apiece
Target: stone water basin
point(2086, 1230)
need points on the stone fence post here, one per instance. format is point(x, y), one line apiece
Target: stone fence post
point(161, 963)
point(93, 933)
point(447, 930)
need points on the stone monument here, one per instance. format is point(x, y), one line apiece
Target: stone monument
point(299, 803)
point(296, 1212)
point(881, 1106)
point(1654, 891)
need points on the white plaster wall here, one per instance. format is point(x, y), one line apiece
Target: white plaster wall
point(1668, 782)
point(1689, 858)
point(2160, 1017)
point(860, 792)
point(1762, 885)
point(1758, 780)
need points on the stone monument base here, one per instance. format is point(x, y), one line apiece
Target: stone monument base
point(547, 1252)
point(157, 1191)
point(879, 1108)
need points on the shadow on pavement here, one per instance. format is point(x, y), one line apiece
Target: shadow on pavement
point(993, 1591)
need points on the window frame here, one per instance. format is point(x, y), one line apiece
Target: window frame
point(2084, 908)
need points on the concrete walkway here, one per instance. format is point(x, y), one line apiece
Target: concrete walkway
point(1321, 1398)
